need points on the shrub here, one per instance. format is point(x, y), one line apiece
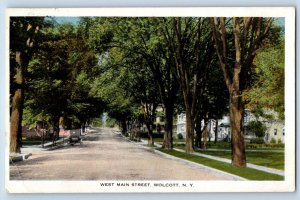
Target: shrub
point(257, 127)
point(180, 136)
point(144, 134)
point(257, 141)
point(272, 141)
point(255, 146)
point(279, 141)
point(179, 144)
point(219, 144)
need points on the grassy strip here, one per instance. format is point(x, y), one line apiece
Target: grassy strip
point(34, 142)
point(160, 140)
point(226, 145)
point(31, 142)
point(248, 173)
point(266, 159)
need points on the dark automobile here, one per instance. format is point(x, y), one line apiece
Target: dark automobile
point(75, 137)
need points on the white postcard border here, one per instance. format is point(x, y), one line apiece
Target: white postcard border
point(288, 185)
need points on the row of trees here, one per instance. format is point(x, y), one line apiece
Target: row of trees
point(46, 62)
point(129, 66)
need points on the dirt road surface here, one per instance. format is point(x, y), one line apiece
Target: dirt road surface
point(106, 155)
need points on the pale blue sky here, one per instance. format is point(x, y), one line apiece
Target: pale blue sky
point(72, 20)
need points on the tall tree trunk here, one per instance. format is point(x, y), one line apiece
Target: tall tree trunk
point(55, 125)
point(245, 50)
point(209, 131)
point(216, 131)
point(198, 133)
point(149, 110)
point(150, 133)
point(17, 105)
point(168, 136)
point(124, 127)
point(237, 138)
point(16, 115)
point(204, 133)
point(189, 145)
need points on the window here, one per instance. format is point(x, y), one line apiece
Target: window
point(246, 117)
point(275, 131)
point(283, 131)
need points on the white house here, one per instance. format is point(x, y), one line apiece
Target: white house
point(181, 121)
point(275, 128)
point(223, 127)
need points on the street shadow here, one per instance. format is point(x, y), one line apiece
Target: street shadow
point(91, 137)
point(32, 161)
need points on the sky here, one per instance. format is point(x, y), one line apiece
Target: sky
point(64, 20)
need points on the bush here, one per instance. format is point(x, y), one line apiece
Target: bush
point(144, 134)
point(256, 146)
point(179, 145)
point(257, 127)
point(272, 141)
point(257, 141)
point(279, 141)
point(110, 122)
point(180, 136)
point(219, 144)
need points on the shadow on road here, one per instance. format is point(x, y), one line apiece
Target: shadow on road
point(33, 161)
point(91, 137)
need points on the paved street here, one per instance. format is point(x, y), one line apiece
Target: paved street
point(106, 155)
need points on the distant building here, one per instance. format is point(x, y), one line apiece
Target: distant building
point(275, 128)
point(181, 121)
point(223, 127)
point(159, 122)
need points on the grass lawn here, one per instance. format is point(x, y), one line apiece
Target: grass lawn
point(31, 142)
point(160, 140)
point(248, 173)
point(266, 159)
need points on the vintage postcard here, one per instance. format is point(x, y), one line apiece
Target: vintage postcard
point(121, 100)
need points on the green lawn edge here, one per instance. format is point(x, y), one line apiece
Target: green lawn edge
point(273, 160)
point(248, 173)
point(264, 159)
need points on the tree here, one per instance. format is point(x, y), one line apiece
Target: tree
point(191, 47)
point(257, 127)
point(142, 37)
point(48, 91)
point(23, 41)
point(143, 89)
point(108, 86)
point(135, 82)
point(236, 42)
point(57, 80)
point(268, 93)
point(213, 97)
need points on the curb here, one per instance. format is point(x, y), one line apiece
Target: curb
point(249, 165)
point(56, 147)
point(190, 163)
point(234, 177)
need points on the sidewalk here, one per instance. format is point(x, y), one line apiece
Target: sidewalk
point(249, 165)
point(27, 151)
point(143, 144)
point(248, 150)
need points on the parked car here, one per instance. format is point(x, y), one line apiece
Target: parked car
point(75, 137)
